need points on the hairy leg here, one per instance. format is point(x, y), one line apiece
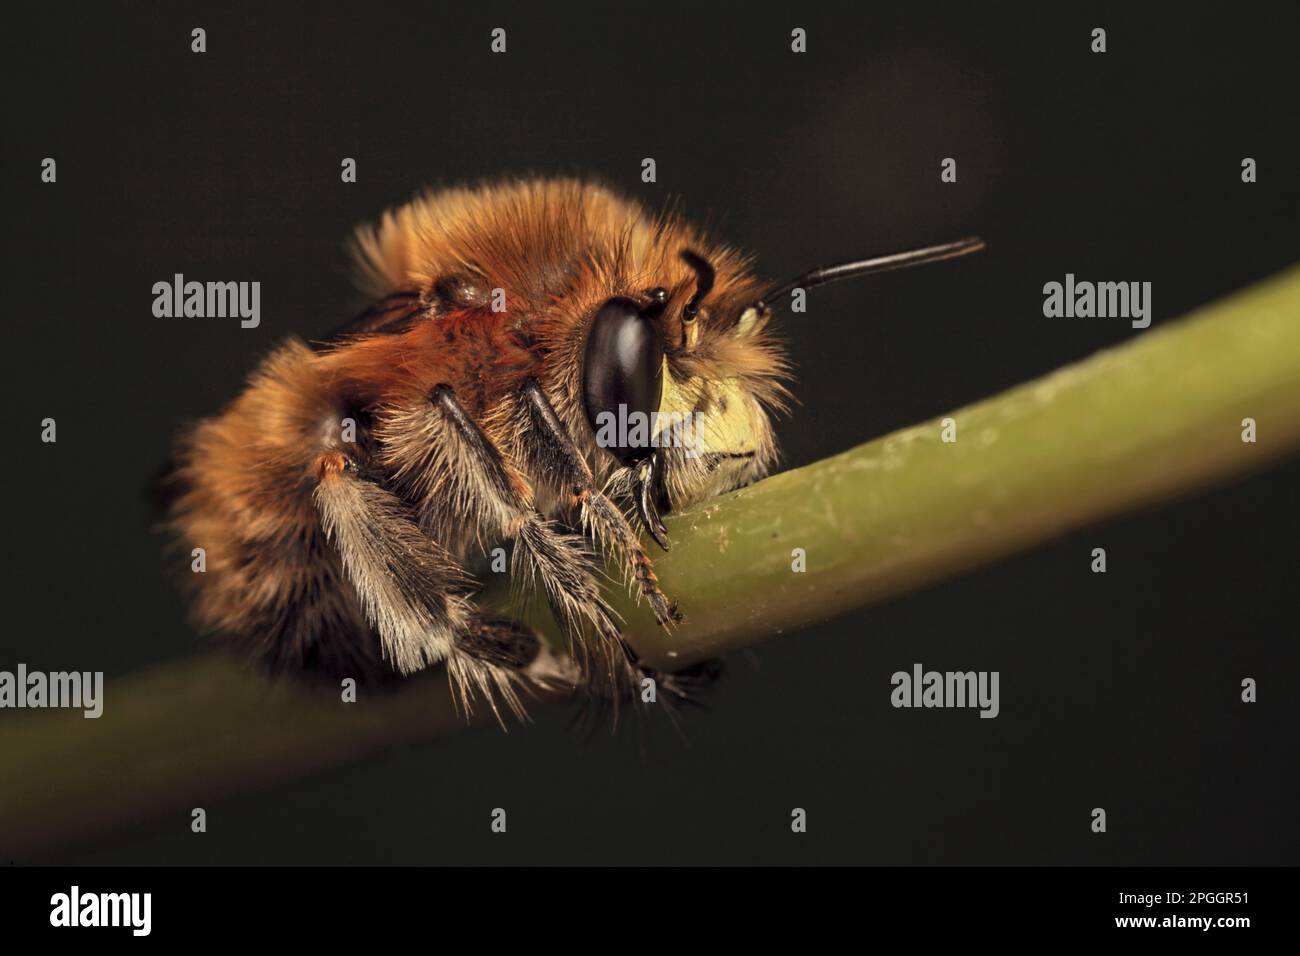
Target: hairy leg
point(599, 513)
point(459, 478)
point(407, 584)
point(411, 591)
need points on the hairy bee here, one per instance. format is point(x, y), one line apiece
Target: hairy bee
point(339, 497)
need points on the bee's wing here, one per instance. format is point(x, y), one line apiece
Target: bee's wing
point(393, 313)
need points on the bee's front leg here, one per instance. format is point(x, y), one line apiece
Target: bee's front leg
point(598, 511)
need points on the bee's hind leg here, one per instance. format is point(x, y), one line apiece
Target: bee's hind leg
point(410, 588)
point(413, 592)
point(498, 657)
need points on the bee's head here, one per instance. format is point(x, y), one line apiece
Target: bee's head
point(678, 382)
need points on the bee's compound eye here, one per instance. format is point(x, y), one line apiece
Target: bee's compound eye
point(622, 378)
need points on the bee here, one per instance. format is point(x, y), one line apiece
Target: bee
point(342, 495)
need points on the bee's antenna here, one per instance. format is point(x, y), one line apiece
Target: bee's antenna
point(850, 270)
point(704, 277)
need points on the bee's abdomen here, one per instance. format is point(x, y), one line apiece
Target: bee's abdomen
point(268, 580)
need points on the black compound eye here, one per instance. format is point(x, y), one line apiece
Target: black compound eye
point(622, 378)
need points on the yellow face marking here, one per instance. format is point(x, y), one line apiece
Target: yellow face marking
point(728, 426)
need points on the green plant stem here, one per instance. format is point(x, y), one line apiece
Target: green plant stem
point(1144, 422)
point(1155, 418)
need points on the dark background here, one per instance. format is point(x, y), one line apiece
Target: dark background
point(1118, 690)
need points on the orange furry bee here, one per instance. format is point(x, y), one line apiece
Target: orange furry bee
point(339, 497)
